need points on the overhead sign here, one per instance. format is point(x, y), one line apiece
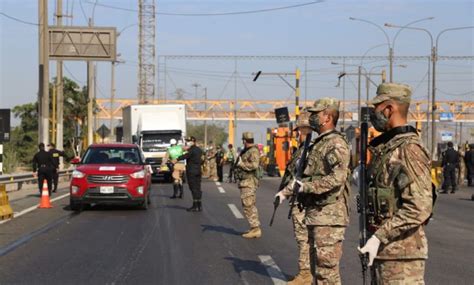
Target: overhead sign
point(446, 136)
point(82, 43)
point(282, 115)
point(446, 117)
point(4, 125)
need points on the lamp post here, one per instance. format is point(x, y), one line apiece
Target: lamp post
point(434, 58)
point(390, 45)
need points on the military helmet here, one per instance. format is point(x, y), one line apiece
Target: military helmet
point(323, 104)
point(303, 120)
point(247, 135)
point(392, 91)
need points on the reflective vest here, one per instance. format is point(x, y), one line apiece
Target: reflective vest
point(175, 151)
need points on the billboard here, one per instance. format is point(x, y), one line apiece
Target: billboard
point(82, 43)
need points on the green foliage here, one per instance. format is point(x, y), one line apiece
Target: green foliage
point(24, 138)
point(215, 133)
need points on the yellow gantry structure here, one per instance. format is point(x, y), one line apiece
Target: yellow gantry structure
point(263, 110)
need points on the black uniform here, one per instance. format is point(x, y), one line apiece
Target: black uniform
point(193, 171)
point(43, 162)
point(220, 164)
point(469, 160)
point(450, 163)
point(55, 154)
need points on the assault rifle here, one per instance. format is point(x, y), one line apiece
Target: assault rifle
point(299, 173)
point(362, 197)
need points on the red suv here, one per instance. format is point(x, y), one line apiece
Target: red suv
point(111, 173)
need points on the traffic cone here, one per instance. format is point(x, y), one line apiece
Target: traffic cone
point(45, 203)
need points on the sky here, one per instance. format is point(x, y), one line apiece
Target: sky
point(321, 29)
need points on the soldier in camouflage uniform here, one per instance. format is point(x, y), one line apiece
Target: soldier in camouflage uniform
point(299, 227)
point(211, 162)
point(246, 173)
point(400, 193)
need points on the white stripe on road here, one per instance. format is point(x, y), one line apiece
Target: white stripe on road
point(32, 208)
point(221, 190)
point(235, 211)
point(272, 269)
point(218, 183)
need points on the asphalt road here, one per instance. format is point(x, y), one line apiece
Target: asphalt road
point(167, 245)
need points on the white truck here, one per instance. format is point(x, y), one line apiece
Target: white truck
point(152, 127)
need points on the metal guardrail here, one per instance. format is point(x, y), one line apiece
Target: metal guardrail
point(27, 177)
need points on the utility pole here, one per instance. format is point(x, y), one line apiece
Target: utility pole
point(91, 96)
point(297, 93)
point(344, 95)
point(359, 74)
point(59, 89)
point(205, 121)
point(112, 97)
point(146, 51)
point(43, 90)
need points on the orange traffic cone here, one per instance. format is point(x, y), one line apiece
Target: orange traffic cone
point(45, 203)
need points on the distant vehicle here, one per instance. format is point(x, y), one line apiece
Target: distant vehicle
point(152, 127)
point(111, 173)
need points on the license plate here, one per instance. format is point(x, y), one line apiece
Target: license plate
point(106, 189)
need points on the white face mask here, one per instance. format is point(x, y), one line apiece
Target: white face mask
point(190, 143)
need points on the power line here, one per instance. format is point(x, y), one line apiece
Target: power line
point(214, 14)
point(18, 20)
point(72, 75)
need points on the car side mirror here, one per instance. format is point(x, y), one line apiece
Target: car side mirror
point(76, 160)
point(134, 139)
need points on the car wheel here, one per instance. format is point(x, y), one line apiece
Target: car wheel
point(75, 206)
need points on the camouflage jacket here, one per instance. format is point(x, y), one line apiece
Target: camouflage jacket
point(403, 164)
point(326, 177)
point(246, 168)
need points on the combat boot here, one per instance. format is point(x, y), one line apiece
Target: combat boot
point(194, 207)
point(180, 191)
point(199, 206)
point(304, 277)
point(175, 191)
point(253, 233)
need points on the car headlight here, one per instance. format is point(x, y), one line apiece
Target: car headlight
point(138, 174)
point(77, 174)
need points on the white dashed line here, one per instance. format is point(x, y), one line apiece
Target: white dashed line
point(221, 190)
point(235, 211)
point(272, 269)
point(218, 183)
point(32, 208)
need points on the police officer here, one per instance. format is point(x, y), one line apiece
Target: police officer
point(450, 162)
point(220, 163)
point(177, 168)
point(299, 227)
point(246, 173)
point(193, 172)
point(55, 154)
point(469, 160)
point(399, 191)
point(43, 166)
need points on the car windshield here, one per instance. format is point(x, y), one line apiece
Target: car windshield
point(112, 155)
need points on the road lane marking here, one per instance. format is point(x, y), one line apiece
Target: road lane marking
point(272, 269)
point(218, 183)
point(221, 190)
point(235, 211)
point(32, 208)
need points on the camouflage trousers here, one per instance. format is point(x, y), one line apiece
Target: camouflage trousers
point(212, 169)
point(400, 272)
point(325, 248)
point(178, 170)
point(301, 236)
point(249, 199)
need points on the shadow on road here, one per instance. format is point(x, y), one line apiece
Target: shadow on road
point(220, 229)
point(242, 265)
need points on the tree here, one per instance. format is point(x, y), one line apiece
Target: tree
point(215, 133)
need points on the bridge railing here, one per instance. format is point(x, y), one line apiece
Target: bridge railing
point(20, 179)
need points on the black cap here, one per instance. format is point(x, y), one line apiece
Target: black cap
point(191, 138)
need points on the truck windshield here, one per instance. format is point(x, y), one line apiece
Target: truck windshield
point(158, 142)
point(111, 155)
